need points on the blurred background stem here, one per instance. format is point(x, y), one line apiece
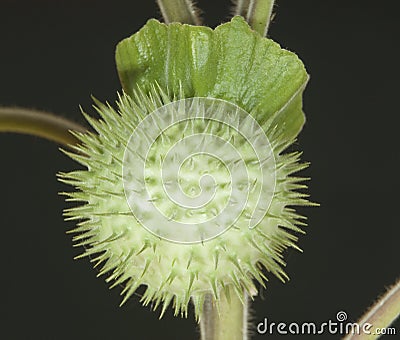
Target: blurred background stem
point(259, 15)
point(183, 11)
point(38, 123)
point(228, 321)
point(381, 315)
point(241, 7)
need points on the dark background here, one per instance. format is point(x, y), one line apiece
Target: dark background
point(54, 54)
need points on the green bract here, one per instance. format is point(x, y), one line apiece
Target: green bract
point(160, 67)
point(232, 62)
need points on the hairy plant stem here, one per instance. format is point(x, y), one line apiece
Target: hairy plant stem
point(381, 315)
point(259, 15)
point(38, 123)
point(228, 321)
point(182, 11)
point(241, 7)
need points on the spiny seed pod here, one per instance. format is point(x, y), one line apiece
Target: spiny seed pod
point(186, 189)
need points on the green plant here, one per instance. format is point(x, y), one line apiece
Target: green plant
point(143, 104)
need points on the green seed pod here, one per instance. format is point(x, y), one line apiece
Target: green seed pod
point(186, 189)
